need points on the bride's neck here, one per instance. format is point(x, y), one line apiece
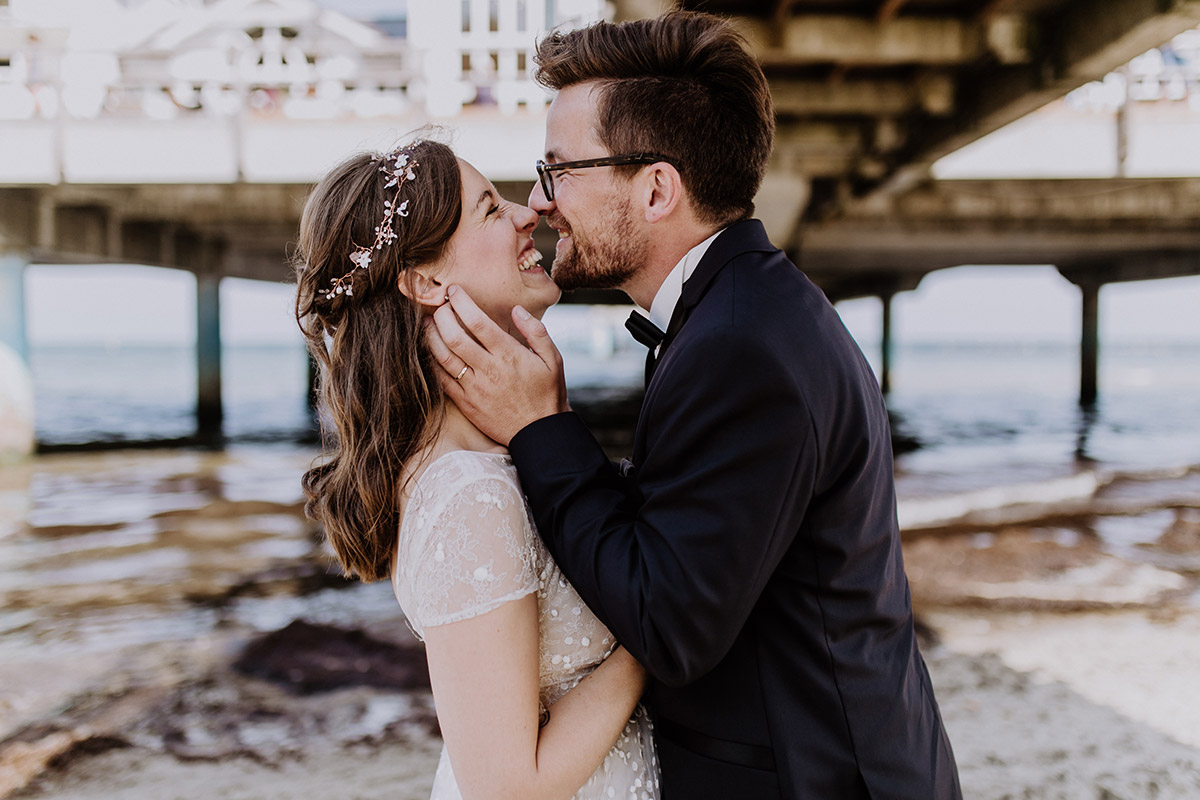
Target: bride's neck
point(458, 433)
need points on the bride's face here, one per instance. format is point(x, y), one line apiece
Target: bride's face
point(491, 253)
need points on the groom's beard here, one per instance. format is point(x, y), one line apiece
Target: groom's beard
point(599, 263)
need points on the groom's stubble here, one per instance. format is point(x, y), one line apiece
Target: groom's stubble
point(605, 259)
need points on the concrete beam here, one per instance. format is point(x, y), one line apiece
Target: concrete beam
point(259, 264)
point(1163, 202)
point(1083, 42)
point(780, 203)
point(889, 9)
point(914, 248)
point(818, 149)
point(855, 41)
point(865, 284)
point(83, 229)
point(155, 225)
point(1134, 267)
point(640, 9)
point(931, 93)
point(18, 219)
point(1098, 35)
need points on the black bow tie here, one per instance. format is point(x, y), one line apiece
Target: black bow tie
point(645, 331)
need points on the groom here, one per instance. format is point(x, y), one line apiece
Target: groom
point(750, 558)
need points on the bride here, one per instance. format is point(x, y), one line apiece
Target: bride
point(534, 697)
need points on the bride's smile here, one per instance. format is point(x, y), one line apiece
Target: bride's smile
point(491, 254)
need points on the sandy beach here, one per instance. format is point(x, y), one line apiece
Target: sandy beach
point(206, 650)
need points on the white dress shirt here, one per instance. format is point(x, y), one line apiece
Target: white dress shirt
point(668, 294)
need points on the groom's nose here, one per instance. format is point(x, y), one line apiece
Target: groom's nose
point(538, 201)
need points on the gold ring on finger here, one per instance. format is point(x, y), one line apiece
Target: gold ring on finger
point(461, 372)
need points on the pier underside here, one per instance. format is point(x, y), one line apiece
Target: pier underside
point(868, 93)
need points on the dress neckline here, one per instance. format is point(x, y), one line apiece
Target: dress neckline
point(504, 457)
point(448, 453)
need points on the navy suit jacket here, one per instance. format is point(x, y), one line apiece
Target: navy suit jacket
point(751, 559)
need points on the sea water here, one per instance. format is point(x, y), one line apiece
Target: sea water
point(965, 415)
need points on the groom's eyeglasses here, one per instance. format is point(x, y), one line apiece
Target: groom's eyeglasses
point(546, 171)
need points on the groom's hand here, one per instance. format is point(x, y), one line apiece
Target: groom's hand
point(501, 384)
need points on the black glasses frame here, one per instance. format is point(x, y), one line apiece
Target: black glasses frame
point(546, 171)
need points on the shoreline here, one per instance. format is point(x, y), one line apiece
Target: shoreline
point(1065, 626)
point(1019, 726)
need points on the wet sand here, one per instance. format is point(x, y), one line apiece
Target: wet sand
point(147, 648)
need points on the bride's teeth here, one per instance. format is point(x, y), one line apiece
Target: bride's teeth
point(563, 234)
point(529, 261)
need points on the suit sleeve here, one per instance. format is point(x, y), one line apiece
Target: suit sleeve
point(676, 566)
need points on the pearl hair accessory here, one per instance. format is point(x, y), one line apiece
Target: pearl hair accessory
point(398, 166)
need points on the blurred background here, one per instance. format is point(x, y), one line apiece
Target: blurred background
point(1002, 198)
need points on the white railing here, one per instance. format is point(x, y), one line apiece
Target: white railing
point(294, 61)
point(262, 91)
point(481, 51)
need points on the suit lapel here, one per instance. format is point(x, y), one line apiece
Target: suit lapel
point(741, 237)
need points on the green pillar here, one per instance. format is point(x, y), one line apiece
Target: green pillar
point(209, 411)
point(885, 343)
point(16, 384)
point(12, 303)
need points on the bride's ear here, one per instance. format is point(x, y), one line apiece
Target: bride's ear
point(421, 288)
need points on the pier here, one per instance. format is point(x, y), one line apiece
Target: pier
point(179, 145)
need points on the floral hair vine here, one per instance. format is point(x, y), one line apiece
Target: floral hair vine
point(398, 166)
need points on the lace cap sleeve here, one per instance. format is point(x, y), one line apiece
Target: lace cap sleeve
point(469, 548)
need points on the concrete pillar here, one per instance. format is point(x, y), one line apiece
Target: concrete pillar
point(1123, 125)
point(209, 411)
point(1089, 344)
point(885, 343)
point(16, 383)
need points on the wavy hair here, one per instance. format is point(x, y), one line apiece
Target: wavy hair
point(380, 399)
point(656, 74)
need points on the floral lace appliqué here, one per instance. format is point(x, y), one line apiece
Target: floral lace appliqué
point(467, 545)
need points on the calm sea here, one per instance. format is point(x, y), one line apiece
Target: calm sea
point(966, 415)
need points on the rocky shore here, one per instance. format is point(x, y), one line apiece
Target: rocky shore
point(1062, 641)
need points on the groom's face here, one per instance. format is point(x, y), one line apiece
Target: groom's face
point(600, 245)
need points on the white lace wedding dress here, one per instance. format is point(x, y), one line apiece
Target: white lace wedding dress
point(467, 545)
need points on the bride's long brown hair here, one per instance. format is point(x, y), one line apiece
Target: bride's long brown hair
point(379, 398)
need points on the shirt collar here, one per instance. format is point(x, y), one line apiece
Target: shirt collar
point(668, 294)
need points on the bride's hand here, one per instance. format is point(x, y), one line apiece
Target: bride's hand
point(501, 384)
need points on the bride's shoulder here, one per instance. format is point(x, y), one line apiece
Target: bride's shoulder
point(466, 541)
point(460, 477)
point(456, 469)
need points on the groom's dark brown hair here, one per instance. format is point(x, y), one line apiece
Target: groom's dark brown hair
point(682, 86)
